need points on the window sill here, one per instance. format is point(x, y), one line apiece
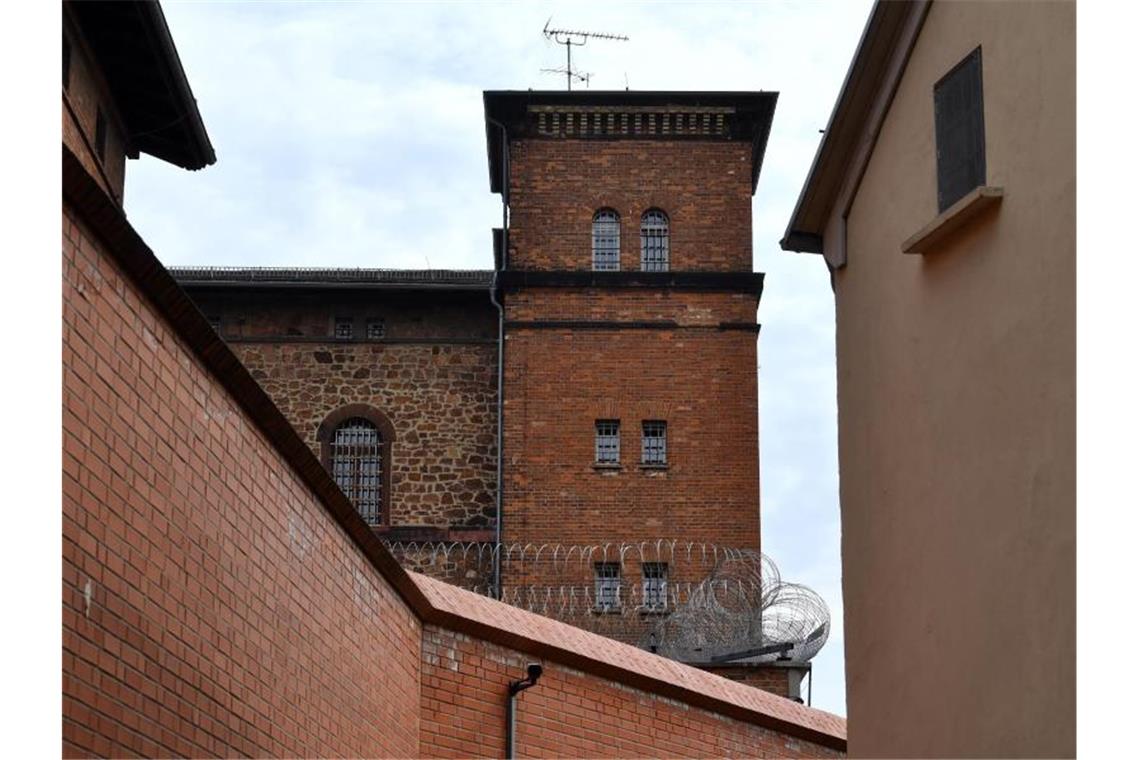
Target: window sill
point(607, 466)
point(952, 219)
point(652, 466)
point(606, 610)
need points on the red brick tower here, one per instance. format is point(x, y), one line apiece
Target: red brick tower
point(630, 399)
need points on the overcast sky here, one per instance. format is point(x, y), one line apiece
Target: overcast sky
point(351, 134)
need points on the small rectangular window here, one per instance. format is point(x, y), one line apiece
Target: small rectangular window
point(66, 62)
point(959, 131)
point(607, 586)
point(100, 133)
point(653, 442)
point(342, 329)
point(654, 577)
point(375, 329)
point(607, 443)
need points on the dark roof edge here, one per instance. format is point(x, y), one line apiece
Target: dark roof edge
point(499, 111)
point(153, 16)
point(198, 277)
point(864, 76)
point(138, 261)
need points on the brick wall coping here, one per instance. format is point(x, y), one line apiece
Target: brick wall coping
point(434, 602)
point(515, 628)
point(467, 279)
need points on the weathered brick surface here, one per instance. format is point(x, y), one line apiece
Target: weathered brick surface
point(558, 184)
point(210, 605)
point(569, 713)
point(85, 92)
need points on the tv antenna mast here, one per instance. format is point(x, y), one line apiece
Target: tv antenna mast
point(575, 38)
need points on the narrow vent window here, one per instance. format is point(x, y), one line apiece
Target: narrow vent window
point(100, 134)
point(959, 130)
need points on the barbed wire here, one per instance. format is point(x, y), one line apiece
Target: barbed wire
point(716, 603)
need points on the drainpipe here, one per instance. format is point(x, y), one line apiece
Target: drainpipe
point(533, 671)
point(505, 188)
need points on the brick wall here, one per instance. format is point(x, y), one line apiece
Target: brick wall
point(84, 93)
point(557, 185)
point(210, 606)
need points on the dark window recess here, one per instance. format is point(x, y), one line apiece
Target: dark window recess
point(100, 134)
point(66, 62)
point(216, 323)
point(375, 329)
point(959, 131)
point(357, 466)
point(654, 577)
point(607, 444)
point(607, 586)
point(607, 241)
point(654, 241)
point(653, 442)
point(342, 328)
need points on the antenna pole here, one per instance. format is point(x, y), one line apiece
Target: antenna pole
point(570, 37)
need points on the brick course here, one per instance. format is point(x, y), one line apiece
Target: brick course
point(704, 187)
point(210, 606)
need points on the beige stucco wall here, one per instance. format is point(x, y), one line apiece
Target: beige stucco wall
point(957, 412)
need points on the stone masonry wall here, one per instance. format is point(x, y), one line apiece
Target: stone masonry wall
point(441, 400)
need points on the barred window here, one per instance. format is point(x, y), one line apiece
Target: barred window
point(607, 443)
point(357, 466)
point(607, 240)
point(654, 577)
point(654, 241)
point(375, 329)
point(607, 586)
point(960, 131)
point(653, 442)
point(342, 328)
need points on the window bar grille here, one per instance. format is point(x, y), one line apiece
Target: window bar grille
point(357, 461)
point(653, 585)
point(653, 442)
point(607, 585)
point(607, 241)
point(654, 242)
point(607, 443)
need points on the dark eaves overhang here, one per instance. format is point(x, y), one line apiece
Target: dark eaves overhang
point(303, 278)
point(753, 115)
point(132, 44)
point(847, 128)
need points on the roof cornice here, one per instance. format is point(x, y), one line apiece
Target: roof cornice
point(858, 114)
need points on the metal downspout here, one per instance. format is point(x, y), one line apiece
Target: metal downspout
point(505, 188)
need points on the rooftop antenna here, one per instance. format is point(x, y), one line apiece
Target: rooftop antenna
point(575, 38)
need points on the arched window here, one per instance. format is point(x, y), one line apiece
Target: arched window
point(654, 241)
point(356, 449)
point(607, 240)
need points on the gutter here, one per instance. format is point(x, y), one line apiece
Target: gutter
point(497, 585)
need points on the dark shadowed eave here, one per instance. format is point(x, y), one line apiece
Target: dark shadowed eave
point(402, 279)
point(751, 118)
point(869, 67)
point(132, 45)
